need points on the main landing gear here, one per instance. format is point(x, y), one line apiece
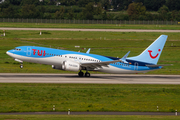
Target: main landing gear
point(81, 74)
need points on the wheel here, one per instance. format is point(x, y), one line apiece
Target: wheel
point(21, 66)
point(87, 74)
point(81, 74)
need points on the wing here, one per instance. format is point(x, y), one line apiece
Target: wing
point(97, 65)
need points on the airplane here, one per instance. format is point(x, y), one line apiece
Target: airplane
point(78, 61)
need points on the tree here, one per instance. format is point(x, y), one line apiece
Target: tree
point(70, 14)
point(136, 9)
point(126, 4)
point(154, 5)
point(105, 4)
point(88, 11)
point(5, 4)
point(68, 2)
point(163, 12)
point(29, 11)
point(175, 15)
point(15, 2)
point(173, 4)
point(34, 2)
point(10, 12)
point(60, 14)
point(83, 3)
point(98, 9)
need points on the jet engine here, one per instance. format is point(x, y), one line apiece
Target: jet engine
point(70, 66)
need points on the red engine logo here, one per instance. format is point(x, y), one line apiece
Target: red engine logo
point(153, 57)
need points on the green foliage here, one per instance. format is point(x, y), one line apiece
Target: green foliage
point(154, 5)
point(163, 11)
point(29, 11)
point(88, 9)
point(121, 17)
point(173, 4)
point(29, 2)
point(175, 15)
point(11, 11)
point(105, 4)
point(136, 9)
point(60, 14)
point(92, 11)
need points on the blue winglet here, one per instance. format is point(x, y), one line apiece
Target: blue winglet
point(124, 57)
point(88, 51)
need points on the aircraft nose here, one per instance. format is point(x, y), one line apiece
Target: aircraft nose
point(7, 52)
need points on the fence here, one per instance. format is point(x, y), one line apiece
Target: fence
point(21, 20)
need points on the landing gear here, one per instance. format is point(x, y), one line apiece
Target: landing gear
point(87, 74)
point(81, 74)
point(21, 66)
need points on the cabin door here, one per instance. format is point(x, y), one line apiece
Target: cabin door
point(28, 51)
point(135, 66)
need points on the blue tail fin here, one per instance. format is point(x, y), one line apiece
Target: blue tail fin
point(152, 53)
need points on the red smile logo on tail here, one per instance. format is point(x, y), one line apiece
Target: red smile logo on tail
point(153, 57)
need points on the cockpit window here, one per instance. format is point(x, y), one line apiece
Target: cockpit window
point(17, 49)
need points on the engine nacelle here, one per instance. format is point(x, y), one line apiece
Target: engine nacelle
point(70, 66)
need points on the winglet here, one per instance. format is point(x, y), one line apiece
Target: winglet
point(124, 57)
point(88, 51)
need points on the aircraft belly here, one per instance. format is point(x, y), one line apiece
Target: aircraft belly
point(115, 70)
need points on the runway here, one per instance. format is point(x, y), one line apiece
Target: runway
point(97, 30)
point(94, 79)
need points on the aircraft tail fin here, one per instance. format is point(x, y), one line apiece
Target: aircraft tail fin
point(152, 53)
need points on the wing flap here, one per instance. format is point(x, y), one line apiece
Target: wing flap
point(99, 64)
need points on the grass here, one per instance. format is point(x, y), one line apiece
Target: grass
point(111, 44)
point(85, 35)
point(87, 117)
point(88, 97)
point(90, 26)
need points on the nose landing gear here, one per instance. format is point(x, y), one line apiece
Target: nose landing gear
point(21, 66)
